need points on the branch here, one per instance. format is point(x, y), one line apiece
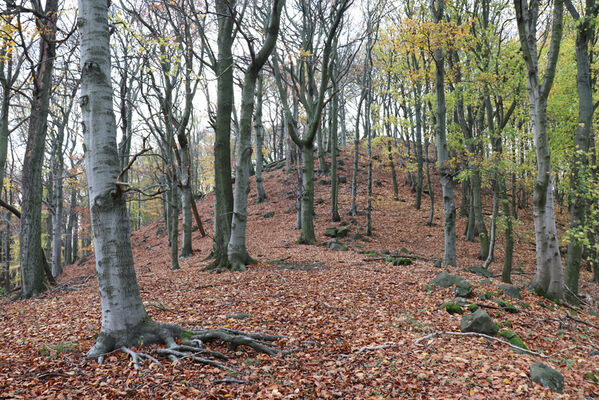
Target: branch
point(434, 334)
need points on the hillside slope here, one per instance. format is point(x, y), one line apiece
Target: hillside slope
point(353, 317)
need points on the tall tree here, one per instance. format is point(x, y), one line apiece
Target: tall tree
point(33, 280)
point(585, 31)
point(437, 8)
point(236, 250)
point(312, 97)
point(549, 275)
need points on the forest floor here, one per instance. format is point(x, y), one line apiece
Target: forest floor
point(353, 317)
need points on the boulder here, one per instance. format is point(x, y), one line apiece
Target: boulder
point(480, 271)
point(446, 280)
point(331, 231)
point(479, 322)
point(335, 245)
point(269, 214)
point(547, 376)
point(342, 179)
point(463, 289)
point(401, 261)
point(342, 232)
point(512, 291)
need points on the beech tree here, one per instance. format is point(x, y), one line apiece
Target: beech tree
point(549, 275)
point(125, 321)
point(312, 98)
point(236, 250)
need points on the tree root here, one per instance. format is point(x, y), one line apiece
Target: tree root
point(137, 357)
point(190, 346)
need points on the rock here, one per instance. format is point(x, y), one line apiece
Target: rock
point(325, 182)
point(344, 223)
point(438, 264)
point(451, 308)
point(342, 232)
point(357, 236)
point(385, 251)
point(512, 338)
point(547, 376)
point(512, 291)
point(480, 271)
point(335, 245)
point(446, 280)
point(479, 322)
point(401, 261)
point(463, 289)
point(507, 306)
point(594, 353)
point(331, 231)
point(342, 179)
point(269, 214)
point(462, 302)
point(239, 315)
point(485, 282)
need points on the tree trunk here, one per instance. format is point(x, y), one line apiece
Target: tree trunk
point(334, 178)
point(33, 280)
point(186, 200)
point(237, 250)
point(419, 161)
point(579, 164)
point(445, 172)
point(173, 228)
point(549, 275)
point(307, 235)
point(124, 319)
point(259, 129)
point(223, 190)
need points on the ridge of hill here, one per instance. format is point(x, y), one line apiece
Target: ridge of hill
point(353, 317)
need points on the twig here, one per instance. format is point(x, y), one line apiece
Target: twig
point(581, 321)
point(434, 334)
point(230, 380)
point(130, 164)
point(379, 347)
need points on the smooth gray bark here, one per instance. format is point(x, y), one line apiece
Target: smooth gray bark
point(259, 130)
point(445, 171)
point(579, 164)
point(124, 319)
point(549, 276)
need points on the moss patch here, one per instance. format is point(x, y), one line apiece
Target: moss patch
point(452, 308)
point(511, 337)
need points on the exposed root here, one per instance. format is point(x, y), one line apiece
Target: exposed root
point(190, 345)
point(236, 338)
point(137, 357)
